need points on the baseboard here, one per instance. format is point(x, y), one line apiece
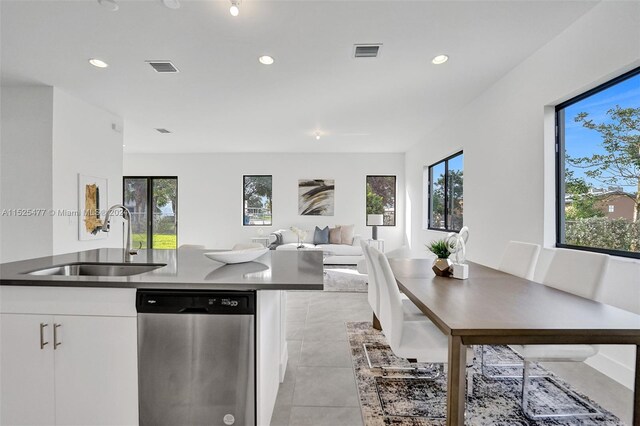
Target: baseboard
point(619, 372)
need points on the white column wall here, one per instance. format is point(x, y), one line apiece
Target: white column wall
point(48, 137)
point(25, 171)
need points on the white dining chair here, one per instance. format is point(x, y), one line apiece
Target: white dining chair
point(518, 259)
point(411, 311)
point(580, 273)
point(417, 341)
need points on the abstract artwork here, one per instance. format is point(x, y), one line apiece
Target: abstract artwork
point(316, 197)
point(92, 204)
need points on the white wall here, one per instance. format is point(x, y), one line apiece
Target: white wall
point(25, 170)
point(508, 143)
point(83, 142)
point(48, 137)
point(210, 191)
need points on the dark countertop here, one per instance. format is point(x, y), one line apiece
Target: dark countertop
point(186, 269)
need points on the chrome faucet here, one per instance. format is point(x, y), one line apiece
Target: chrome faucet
point(126, 215)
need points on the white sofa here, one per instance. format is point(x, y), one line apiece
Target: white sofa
point(336, 254)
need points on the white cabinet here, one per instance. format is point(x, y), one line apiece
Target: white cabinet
point(26, 371)
point(81, 370)
point(96, 371)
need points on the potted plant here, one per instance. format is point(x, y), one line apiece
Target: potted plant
point(442, 265)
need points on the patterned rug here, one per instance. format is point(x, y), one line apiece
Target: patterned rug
point(411, 398)
point(344, 278)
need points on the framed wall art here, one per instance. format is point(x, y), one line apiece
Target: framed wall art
point(316, 197)
point(92, 205)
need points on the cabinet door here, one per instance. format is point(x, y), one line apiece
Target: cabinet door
point(96, 371)
point(26, 370)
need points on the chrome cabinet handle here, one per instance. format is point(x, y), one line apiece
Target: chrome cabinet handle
point(42, 342)
point(55, 336)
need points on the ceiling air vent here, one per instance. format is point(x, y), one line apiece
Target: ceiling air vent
point(163, 131)
point(366, 50)
point(163, 66)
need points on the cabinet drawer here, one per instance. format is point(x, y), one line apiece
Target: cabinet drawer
point(119, 302)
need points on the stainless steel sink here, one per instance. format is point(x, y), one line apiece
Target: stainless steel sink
point(99, 269)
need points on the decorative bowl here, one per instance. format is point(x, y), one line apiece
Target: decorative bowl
point(237, 256)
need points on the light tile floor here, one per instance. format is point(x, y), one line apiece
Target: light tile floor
point(319, 386)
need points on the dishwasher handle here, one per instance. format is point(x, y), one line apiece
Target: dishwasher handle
point(194, 311)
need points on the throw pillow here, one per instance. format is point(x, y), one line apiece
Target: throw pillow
point(347, 234)
point(321, 236)
point(334, 235)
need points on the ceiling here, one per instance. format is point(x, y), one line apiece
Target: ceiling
point(224, 100)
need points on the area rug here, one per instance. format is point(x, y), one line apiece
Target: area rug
point(409, 397)
point(344, 278)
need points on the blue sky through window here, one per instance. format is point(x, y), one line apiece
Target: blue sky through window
point(583, 142)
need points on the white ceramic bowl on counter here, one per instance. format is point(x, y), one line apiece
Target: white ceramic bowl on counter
point(237, 256)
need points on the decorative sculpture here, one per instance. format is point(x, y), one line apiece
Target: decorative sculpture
point(457, 244)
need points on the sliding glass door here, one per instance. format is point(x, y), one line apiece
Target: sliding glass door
point(153, 202)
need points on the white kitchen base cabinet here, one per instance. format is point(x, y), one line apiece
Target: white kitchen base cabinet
point(26, 371)
point(94, 367)
point(82, 369)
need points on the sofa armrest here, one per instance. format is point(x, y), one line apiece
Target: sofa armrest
point(356, 240)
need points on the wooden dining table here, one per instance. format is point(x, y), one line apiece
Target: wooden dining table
point(493, 307)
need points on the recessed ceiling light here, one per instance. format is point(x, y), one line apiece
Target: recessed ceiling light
point(123, 145)
point(98, 63)
point(109, 5)
point(318, 134)
point(234, 10)
point(266, 60)
point(440, 59)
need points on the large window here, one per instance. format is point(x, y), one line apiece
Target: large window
point(153, 203)
point(381, 198)
point(257, 199)
point(445, 196)
point(598, 168)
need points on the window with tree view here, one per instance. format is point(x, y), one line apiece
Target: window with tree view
point(445, 195)
point(257, 200)
point(381, 198)
point(153, 203)
point(598, 145)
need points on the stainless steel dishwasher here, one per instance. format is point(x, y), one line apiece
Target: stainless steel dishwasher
point(196, 358)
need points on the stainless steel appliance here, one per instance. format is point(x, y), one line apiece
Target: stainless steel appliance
point(196, 358)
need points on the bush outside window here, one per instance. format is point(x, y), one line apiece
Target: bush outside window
point(381, 198)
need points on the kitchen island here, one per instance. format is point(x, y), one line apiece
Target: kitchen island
point(70, 342)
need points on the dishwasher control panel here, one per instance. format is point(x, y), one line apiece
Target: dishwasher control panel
point(195, 302)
